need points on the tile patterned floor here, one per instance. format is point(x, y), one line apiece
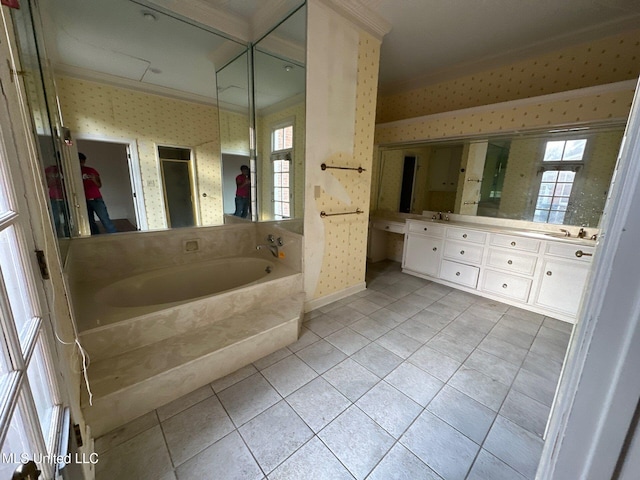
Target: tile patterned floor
point(406, 380)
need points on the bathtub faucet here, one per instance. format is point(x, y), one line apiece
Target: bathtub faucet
point(273, 245)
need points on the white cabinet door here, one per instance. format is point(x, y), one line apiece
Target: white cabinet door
point(561, 285)
point(422, 254)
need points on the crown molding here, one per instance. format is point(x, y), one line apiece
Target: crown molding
point(202, 12)
point(120, 82)
point(270, 14)
point(362, 15)
point(283, 48)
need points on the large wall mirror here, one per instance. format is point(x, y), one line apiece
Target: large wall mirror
point(279, 85)
point(558, 177)
point(159, 105)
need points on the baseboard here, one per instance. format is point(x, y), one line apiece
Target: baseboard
point(334, 297)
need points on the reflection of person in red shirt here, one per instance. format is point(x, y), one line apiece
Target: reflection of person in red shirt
point(56, 197)
point(243, 192)
point(95, 203)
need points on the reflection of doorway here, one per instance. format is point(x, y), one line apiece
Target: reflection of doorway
point(230, 169)
point(175, 165)
point(408, 178)
point(111, 160)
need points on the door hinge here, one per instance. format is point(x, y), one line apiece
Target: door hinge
point(78, 434)
point(42, 263)
point(18, 73)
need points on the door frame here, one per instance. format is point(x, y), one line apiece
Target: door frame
point(593, 421)
point(135, 172)
point(34, 231)
point(193, 175)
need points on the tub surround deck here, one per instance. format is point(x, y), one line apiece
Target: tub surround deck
point(145, 356)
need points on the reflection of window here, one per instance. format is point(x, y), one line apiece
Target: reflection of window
point(282, 138)
point(565, 150)
point(281, 153)
point(562, 160)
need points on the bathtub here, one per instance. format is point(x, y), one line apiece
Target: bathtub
point(185, 282)
point(148, 307)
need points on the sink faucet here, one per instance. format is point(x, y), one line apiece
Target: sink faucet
point(273, 245)
point(566, 232)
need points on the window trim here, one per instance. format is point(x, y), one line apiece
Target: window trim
point(282, 154)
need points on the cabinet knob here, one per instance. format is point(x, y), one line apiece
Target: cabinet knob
point(457, 274)
point(425, 229)
point(464, 235)
point(435, 249)
point(580, 253)
point(513, 244)
point(461, 252)
point(549, 273)
point(510, 262)
point(504, 285)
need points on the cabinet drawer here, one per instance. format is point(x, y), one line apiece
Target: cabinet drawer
point(463, 252)
point(426, 228)
point(466, 275)
point(516, 243)
point(512, 261)
point(394, 227)
point(506, 285)
point(583, 253)
point(466, 235)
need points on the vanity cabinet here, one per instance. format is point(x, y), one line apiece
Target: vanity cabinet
point(423, 248)
point(546, 276)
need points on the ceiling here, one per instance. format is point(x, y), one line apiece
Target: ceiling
point(435, 40)
point(131, 41)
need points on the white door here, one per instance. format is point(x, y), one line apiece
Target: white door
point(30, 406)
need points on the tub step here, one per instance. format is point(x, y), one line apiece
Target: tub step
point(139, 381)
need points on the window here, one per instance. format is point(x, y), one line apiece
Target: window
point(282, 138)
point(561, 162)
point(30, 412)
point(281, 154)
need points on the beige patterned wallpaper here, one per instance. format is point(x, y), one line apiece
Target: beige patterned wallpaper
point(234, 132)
point(392, 167)
point(344, 261)
point(116, 113)
point(608, 60)
point(593, 188)
point(508, 118)
point(296, 113)
point(524, 153)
